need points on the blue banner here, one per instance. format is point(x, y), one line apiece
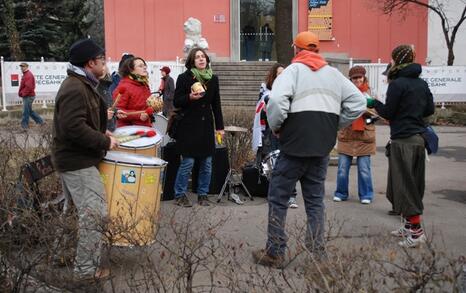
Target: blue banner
point(317, 3)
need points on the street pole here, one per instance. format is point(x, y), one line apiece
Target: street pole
point(2, 64)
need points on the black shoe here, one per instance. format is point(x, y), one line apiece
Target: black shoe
point(393, 213)
point(203, 201)
point(184, 202)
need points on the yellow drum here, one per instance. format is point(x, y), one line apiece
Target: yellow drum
point(144, 145)
point(133, 187)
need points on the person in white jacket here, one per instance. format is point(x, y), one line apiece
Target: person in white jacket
point(309, 102)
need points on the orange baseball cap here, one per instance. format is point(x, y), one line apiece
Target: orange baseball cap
point(304, 39)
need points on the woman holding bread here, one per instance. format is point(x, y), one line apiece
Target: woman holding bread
point(197, 99)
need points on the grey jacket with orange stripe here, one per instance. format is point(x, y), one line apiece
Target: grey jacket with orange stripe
point(307, 107)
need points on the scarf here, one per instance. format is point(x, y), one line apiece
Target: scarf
point(202, 76)
point(311, 59)
point(359, 124)
point(83, 72)
point(395, 69)
point(144, 80)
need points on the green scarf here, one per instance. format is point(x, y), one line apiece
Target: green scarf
point(202, 76)
point(393, 71)
point(144, 80)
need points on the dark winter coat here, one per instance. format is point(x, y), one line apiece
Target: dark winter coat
point(115, 81)
point(27, 86)
point(408, 102)
point(103, 88)
point(168, 93)
point(132, 100)
point(195, 131)
point(79, 125)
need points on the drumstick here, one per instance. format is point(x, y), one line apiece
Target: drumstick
point(120, 92)
point(150, 133)
point(135, 112)
point(372, 112)
point(139, 132)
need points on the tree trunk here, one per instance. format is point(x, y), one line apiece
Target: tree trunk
point(284, 29)
point(451, 55)
point(12, 32)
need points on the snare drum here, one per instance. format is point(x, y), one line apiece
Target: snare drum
point(143, 146)
point(133, 187)
point(268, 163)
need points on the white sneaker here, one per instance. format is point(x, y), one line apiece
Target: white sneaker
point(337, 199)
point(400, 232)
point(411, 242)
point(292, 204)
point(365, 201)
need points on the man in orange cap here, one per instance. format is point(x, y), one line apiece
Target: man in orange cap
point(310, 100)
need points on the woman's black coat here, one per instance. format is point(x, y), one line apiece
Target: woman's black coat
point(195, 131)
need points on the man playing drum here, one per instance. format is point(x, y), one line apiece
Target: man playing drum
point(79, 144)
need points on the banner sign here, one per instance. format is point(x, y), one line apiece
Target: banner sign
point(320, 16)
point(447, 83)
point(50, 75)
point(445, 80)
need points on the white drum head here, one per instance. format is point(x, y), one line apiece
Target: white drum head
point(133, 159)
point(140, 142)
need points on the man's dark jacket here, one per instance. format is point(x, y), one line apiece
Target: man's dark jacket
point(79, 125)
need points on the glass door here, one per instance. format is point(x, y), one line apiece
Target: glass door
point(257, 26)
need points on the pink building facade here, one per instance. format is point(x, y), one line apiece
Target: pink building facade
point(236, 29)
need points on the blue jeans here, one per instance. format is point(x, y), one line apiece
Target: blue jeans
point(311, 172)
point(27, 111)
point(184, 172)
point(365, 189)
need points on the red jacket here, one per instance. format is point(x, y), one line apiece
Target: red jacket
point(27, 86)
point(133, 99)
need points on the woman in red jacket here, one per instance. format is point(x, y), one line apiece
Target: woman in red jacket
point(134, 91)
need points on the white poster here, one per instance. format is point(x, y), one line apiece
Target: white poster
point(50, 75)
point(447, 83)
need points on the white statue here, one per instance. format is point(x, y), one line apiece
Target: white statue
point(192, 29)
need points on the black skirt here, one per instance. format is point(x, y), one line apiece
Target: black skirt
point(406, 175)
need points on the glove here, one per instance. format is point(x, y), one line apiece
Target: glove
point(370, 102)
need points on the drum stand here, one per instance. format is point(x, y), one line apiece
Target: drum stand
point(233, 178)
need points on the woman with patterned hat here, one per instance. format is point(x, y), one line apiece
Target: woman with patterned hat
point(408, 102)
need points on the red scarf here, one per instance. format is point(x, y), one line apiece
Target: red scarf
point(359, 124)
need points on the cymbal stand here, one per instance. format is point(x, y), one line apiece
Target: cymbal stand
point(231, 178)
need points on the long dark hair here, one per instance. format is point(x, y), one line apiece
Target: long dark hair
point(128, 65)
point(272, 75)
point(192, 56)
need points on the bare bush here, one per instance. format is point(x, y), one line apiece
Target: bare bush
point(239, 142)
point(193, 250)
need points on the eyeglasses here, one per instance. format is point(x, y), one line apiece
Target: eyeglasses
point(101, 57)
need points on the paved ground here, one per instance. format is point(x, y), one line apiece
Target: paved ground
point(445, 199)
point(245, 227)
